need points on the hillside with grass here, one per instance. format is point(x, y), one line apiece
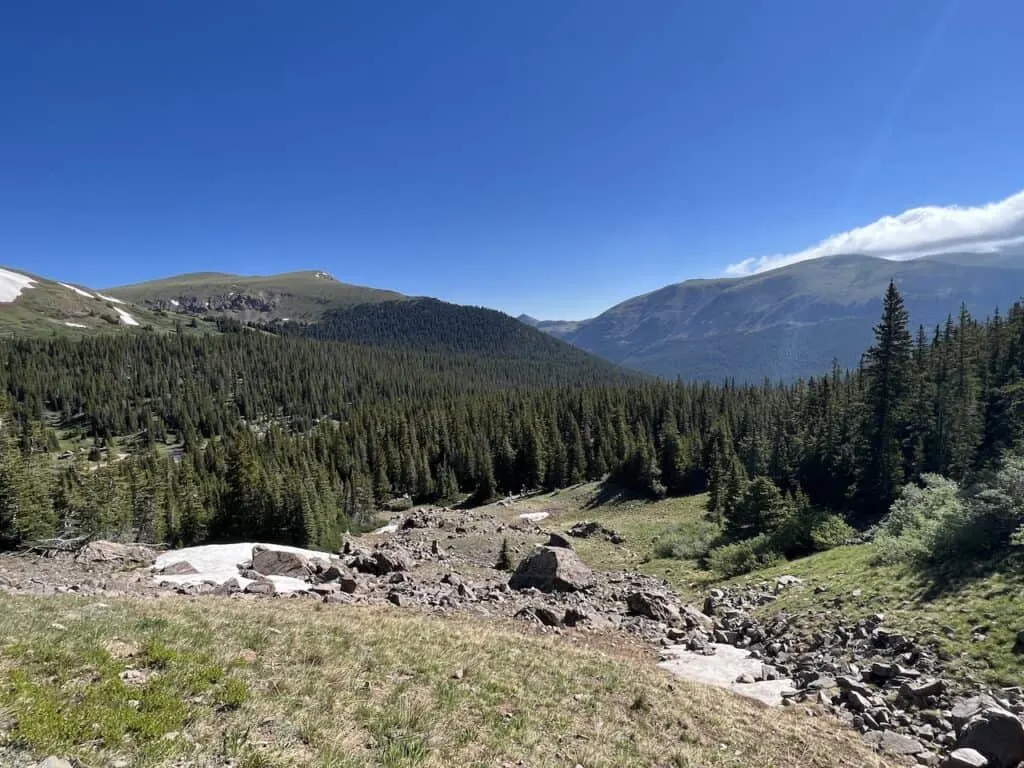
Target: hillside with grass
point(298, 296)
point(36, 306)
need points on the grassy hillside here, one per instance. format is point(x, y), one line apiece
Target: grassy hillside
point(292, 295)
point(282, 683)
point(946, 612)
point(787, 322)
point(48, 307)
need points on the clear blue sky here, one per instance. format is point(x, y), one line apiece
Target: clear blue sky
point(534, 156)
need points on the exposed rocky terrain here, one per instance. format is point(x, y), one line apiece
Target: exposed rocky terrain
point(891, 687)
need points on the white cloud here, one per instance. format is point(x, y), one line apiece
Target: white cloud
point(916, 232)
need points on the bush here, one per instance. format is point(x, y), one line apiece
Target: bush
point(743, 557)
point(687, 541)
point(911, 531)
point(829, 531)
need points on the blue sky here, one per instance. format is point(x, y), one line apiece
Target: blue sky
point(533, 156)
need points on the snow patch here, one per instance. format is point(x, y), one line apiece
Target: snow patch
point(217, 563)
point(389, 528)
point(109, 298)
point(79, 291)
point(12, 284)
point(74, 325)
point(125, 317)
point(722, 669)
point(535, 517)
point(175, 303)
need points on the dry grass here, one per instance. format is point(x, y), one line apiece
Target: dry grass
point(296, 683)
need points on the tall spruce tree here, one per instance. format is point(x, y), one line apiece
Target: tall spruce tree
point(888, 376)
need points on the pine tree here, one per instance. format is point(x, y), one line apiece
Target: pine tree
point(885, 419)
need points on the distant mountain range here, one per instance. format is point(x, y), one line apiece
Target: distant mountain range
point(788, 322)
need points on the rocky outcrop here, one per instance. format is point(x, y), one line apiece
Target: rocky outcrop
point(551, 569)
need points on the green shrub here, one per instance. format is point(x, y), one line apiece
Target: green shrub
point(829, 531)
point(691, 540)
point(742, 557)
point(911, 531)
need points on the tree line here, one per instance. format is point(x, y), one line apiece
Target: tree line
point(295, 440)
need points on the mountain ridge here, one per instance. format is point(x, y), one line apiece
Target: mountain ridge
point(681, 329)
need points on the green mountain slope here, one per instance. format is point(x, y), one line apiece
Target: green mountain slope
point(430, 325)
point(31, 305)
point(788, 322)
point(301, 296)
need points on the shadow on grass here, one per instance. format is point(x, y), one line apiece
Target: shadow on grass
point(949, 578)
point(613, 493)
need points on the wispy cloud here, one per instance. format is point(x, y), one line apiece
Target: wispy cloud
point(916, 232)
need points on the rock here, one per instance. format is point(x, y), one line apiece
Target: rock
point(965, 758)
point(277, 562)
point(112, 552)
point(260, 588)
point(695, 619)
point(54, 762)
point(894, 743)
point(558, 540)
point(348, 584)
point(653, 606)
point(996, 734)
point(921, 692)
point(1018, 646)
point(856, 702)
point(965, 709)
point(548, 617)
point(229, 587)
point(746, 679)
point(180, 568)
point(391, 561)
point(552, 569)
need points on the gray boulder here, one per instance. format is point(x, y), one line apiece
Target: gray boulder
point(965, 709)
point(54, 762)
point(552, 569)
point(965, 758)
point(277, 562)
point(653, 606)
point(180, 568)
point(894, 743)
point(996, 734)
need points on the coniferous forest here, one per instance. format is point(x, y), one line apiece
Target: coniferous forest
point(297, 437)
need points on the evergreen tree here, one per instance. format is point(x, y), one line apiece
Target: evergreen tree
point(885, 421)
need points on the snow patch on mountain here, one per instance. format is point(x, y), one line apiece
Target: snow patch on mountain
point(12, 284)
point(69, 324)
point(125, 317)
point(79, 291)
point(175, 303)
point(109, 298)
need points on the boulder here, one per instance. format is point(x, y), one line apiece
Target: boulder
point(180, 568)
point(996, 734)
point(894, 743)
point(965, 758)
point(965, 709)
point(113, 552)
point(1018, 646)
point(551, 569)
point(653, 606)
point(260, 588)
point(548, 616)
point(278, 562)
point(558, 540)
point(392, 561)
point(54, 762)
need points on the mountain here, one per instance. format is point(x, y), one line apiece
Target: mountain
point(787, 322)
point(434, 326)
point(301, 296)
point(34, 305)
